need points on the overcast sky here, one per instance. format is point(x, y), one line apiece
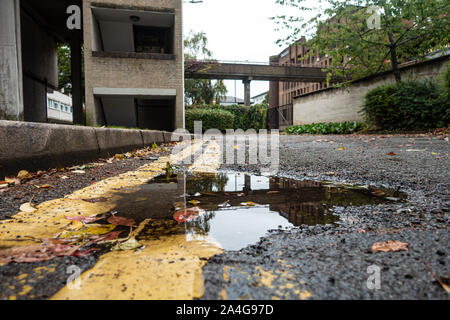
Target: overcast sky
point(238, 30)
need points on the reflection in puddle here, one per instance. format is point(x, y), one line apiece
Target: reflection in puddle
point(235, 210)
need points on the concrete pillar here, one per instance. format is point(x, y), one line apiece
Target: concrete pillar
point(77, 94)
point(11, 96)
point(274, 103)
point(247, 101)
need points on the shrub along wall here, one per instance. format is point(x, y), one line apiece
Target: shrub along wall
point(211, 119)
point(408, 105)
point(253, 117)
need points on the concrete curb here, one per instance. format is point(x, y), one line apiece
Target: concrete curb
point(39, 146)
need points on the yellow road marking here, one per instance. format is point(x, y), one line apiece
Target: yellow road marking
point(167, 268)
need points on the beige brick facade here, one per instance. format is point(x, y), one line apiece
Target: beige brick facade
point(131, 70)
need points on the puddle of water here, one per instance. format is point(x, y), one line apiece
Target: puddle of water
point(235, 210)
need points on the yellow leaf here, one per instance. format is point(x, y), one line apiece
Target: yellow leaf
point(28, 207)
point(248, 204)
point(23, 174)
point(89, 231)
point(342, 148)
point(194, 202)
point(44, 186)
point(75, 226)
point(127, 245)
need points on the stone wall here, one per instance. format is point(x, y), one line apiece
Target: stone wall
point(338, 105)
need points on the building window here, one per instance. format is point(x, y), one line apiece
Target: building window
point(153, 39)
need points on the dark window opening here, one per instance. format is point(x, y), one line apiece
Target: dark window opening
point(153, 39)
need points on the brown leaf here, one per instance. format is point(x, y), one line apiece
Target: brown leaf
point(391, 154)
point(36, 253)
point(389, 245)
point(86, 219)
point(121, 221)
point(187, 214)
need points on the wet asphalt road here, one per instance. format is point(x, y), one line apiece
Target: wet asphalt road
point(326, 262)
point(322, 262)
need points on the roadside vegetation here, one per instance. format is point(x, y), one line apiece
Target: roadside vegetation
point(326, 128)
point(408, 105)
point(227, 117)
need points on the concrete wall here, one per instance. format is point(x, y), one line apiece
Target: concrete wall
point(39, 63)
point(11, 101)
point(133, 70)
point(39, 146)
point(337, 105)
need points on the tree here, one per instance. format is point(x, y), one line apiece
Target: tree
point(201, 91)
point(65, 68)
point(364, 37)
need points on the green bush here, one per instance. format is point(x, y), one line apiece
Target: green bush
point(211, 119)
point(325, 128)
point(245, 118)
point(408, 105)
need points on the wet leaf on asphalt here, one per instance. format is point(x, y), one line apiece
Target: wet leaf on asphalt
point(121, 221)
point(187, 214)
point(88, 231)
point(248, 204)
point(378, 193)
point(127, 245)
point(194, 202)
point(43, 186)
point(28, 207)
point(36, 253)
point(74, 226)
point(23, 174)
point(107, 237)
point(391, 154)
point(85, 219)
point(389, 245)
point(342, 148)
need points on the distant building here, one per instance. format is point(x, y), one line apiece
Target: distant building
point(230, 100)
point(59, 108)
point(260, 98)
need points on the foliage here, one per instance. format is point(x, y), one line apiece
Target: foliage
point(201, 90)
point(211, 119)
point(65, 68)
point(348, 32)
point(326, 128)
point(253, 117)
point(408, 105)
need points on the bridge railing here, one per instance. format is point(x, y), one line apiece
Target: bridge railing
point(234, 62)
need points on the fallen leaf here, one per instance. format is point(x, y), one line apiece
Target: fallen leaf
point(194, 202)
point(107, 237)
point(248, 204)
point(44, 186)
point(36, 253)
point(79, 171)
point(127, 245)
point(273, 192)
point(121, 221)
point(12, 180)
point(23, 174)
point(187, 214)
point(86, 219)
point(28, 207)
point(64, 177)
point(391, 154)
point(389, 245)
point(378, 193)
point(342, 148)
point(443, 285)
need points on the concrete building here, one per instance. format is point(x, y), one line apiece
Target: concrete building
point(133, 60)
point(259, 98)
point(230, 101)
point(59, 108)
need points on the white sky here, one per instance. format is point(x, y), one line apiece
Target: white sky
point(238, 30)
